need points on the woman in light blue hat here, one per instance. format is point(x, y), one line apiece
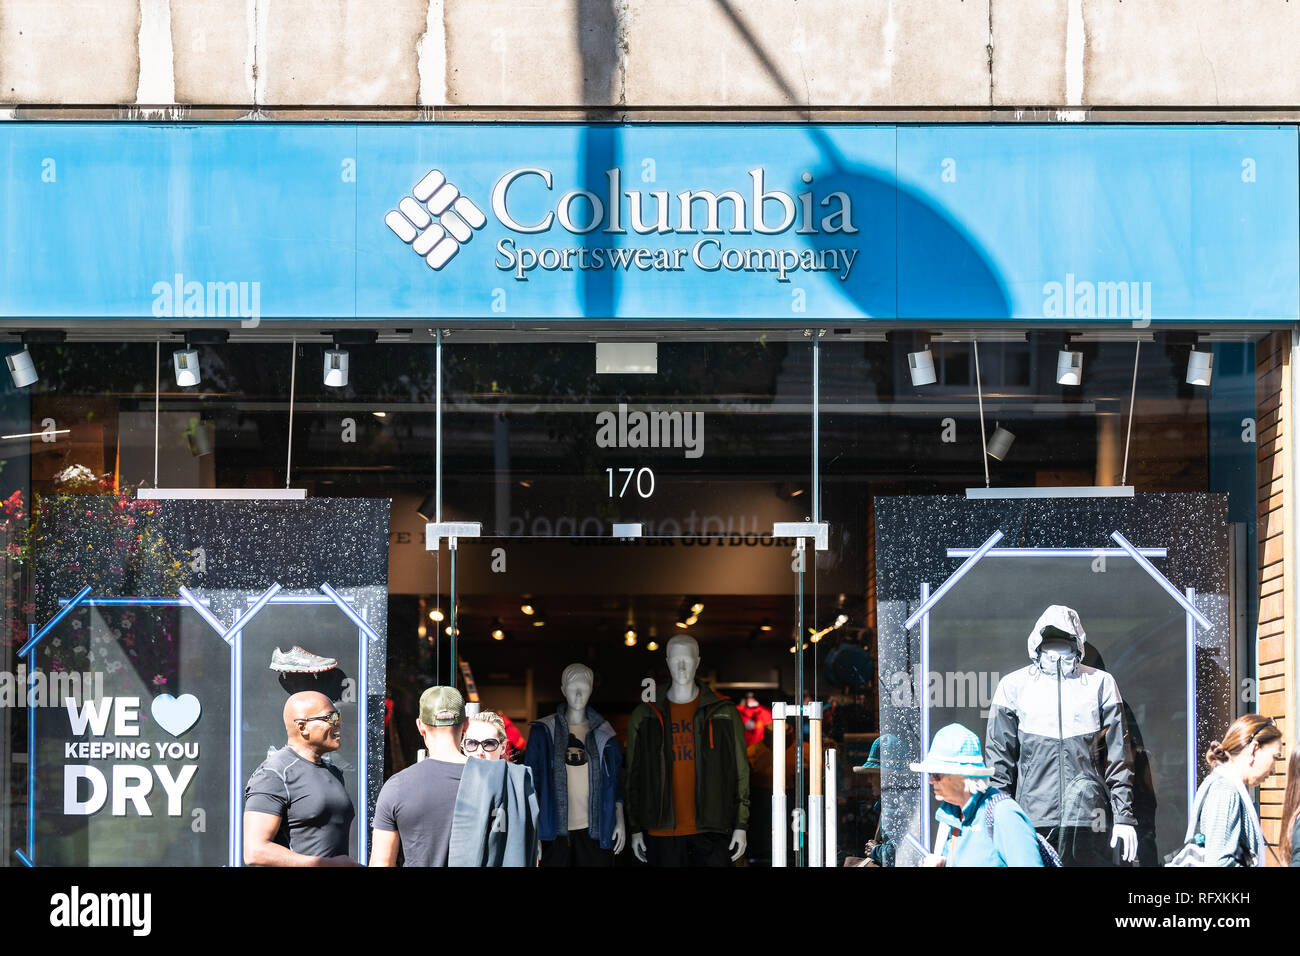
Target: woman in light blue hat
point(981, 825)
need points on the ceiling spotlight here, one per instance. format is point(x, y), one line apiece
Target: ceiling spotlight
point(21, 368)
point(436, 615)
point(766, 624)
point(498, 632)
point(336, 367)
point(1069, 367)
point(697, 606)
point(186, 364)
point(527, 608)
point(629, 637)
point(380, 414)
point(1000, 443)
point(1200, 367)
point(841, 620)
point(652, 646)
point(920, 365)
point(450, 631)
point(690, 621)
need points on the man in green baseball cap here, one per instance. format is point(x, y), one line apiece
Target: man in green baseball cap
point(416, 806)
point(441, 707)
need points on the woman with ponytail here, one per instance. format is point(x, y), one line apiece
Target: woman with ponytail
point(1228, 819)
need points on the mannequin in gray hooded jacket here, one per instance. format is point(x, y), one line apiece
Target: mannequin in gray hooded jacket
point(1056, 742)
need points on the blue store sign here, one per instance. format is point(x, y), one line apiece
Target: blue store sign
point(500, 222)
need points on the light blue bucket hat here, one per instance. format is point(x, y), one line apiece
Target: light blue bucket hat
point(955, 751)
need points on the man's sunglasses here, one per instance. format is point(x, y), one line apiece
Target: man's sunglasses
point(489, 745)
point(332, 718)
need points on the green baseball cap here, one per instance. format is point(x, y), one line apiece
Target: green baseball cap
point(442, 707)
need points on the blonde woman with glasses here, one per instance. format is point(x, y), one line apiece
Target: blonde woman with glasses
point(485, 737)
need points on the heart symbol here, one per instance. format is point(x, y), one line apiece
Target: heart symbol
point(175, 714)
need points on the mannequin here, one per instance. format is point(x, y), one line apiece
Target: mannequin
point(687, 773)
point(577, 766)
point(756, 717)
point(1057, 726)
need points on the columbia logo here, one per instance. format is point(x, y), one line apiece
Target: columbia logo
point(435, 219)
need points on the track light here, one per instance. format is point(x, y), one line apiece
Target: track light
point(629, 637)
point(920, 365)
point(336, 367)
point(498, 632)
point(1000, 443)
point(1200, 367)
point(1069, 367)
point(652, 646)
point(21, 368)
point(527, 607)
point(185, 362)
point(697, 606)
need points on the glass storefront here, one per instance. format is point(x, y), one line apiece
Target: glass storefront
point(623, 505)
point(806, 440)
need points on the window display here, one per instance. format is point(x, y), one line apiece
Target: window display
point(1103, 759)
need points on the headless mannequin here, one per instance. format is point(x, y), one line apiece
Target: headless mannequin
point(576, 694)
point(683, 662)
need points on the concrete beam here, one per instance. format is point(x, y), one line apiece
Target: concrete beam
point(75, 52)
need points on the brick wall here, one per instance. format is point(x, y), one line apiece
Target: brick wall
point(1276, 573)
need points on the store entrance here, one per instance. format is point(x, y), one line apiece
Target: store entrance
point(629, 494)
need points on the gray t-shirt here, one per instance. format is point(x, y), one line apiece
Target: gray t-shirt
point(310, 799)
point(419, 803)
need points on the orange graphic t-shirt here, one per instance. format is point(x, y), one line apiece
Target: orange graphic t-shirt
point(681, 731)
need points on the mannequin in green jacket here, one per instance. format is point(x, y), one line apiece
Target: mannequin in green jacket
point(719, 764)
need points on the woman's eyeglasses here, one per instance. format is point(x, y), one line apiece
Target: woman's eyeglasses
point(470, 744)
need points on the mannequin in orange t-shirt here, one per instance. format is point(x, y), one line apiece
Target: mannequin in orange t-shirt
point(682, 727)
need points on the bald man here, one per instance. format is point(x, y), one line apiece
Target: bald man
point(297, 811)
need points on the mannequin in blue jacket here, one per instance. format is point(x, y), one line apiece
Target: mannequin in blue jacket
point(577, 765)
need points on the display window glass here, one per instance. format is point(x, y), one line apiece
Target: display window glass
point(787, 500)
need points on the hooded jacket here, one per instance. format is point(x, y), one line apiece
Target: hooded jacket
point(548, 739)
point(721, 767)
point(1056, 740)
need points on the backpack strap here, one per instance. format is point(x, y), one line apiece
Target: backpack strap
point(1195, 817)
point(992, 802)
